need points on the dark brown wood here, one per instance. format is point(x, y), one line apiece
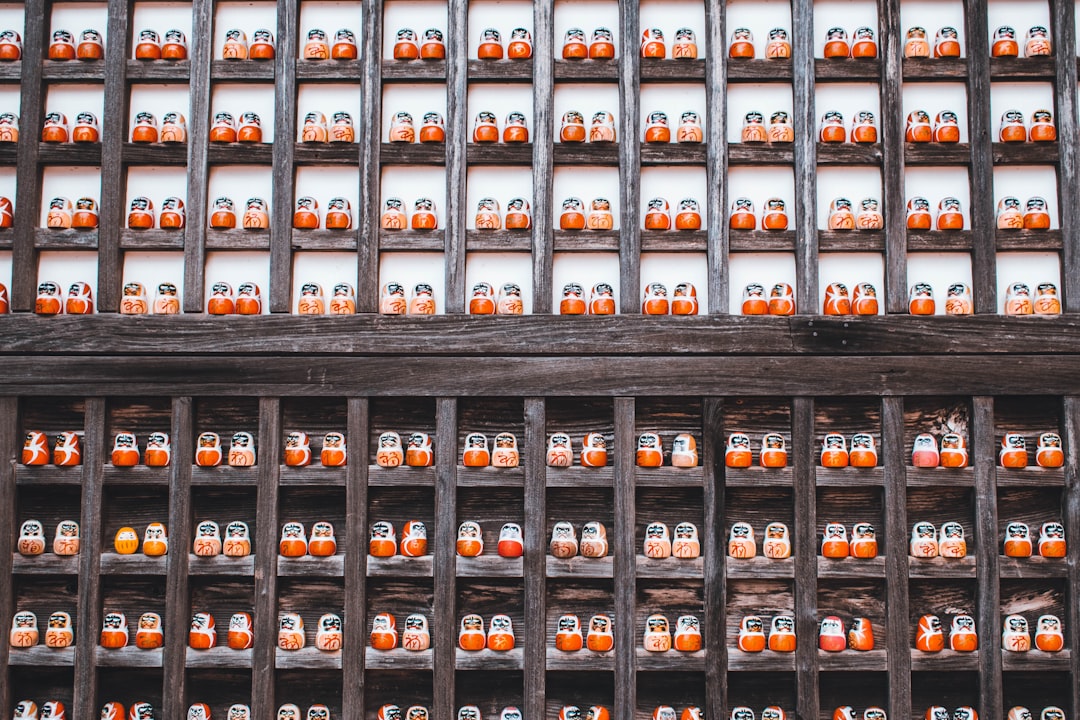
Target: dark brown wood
point(9, 451)
point(91, 531)
point(445, 621)
point(1070, 515)
point(283, 173)
point(356, 504)
point(264, 619)
point(716, 171)
point(367, 225)
point(984, 452)
point(177, 616)
point(715, 574)
point(623, 551)
point(893, 203)
point(543, 232)
point(896, 561)
point(981, 210)
point(28, 174)
point(804, 216)
point(457, 129)
point(202, 26)
point(804, 550)
point(629, 121)
point(535, 528)
point(1063, 25)
point(113, 129)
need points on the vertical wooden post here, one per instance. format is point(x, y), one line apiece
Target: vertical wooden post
point(629, 137)
point(715, 642)
point(263, 656)
point(535, 557)
point(283, 172)
point(716, 165)
point(9, 449)
point(1070, 512)
point(367, 233)
point(892, 150)
point(457, 128)
point(806, 239)
point(202, 26)
point(90, 528)
point(24, 258)
point(178, 598)
point(543, 229)
point(356, 501)
point(113, 133)
point(986, 554)
point(444, 627)
point(624, 554)
point(896, 560)
point(981, 178)
point(805, 553)
point(1063, 30)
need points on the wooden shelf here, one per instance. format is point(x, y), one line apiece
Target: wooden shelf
point(944, 661)
point(311, 566)
point(875, 660)
point(45, 564)
point(1031, 477)
point(939, 477)
point(759, 567)
point(669, 477)
point(669, 661)
point(224, 475)
point(127, 657)
point(489, 660)
point(138, 475)
point(765, 661)
point(580, 476)
point(220, 657)
point(57, 239)
point(115, 564)
point(221, 566)
point(671, 568)
point(397, 659)
point(1036, 661)
point(935, 69)
point(847, 70)
point(939, 567)
point(41, 656)
point(1032, 567)
point(312, 475)
point(759, 70)
point(587, 70)
point(307, 658)
point(501, 71)
point(404, 476)
point(165, 240)
point(850, 476)
point(1034, 68)
point(48, 475)
point(490, 477)
point(489, 566)
point(758, 476)
point(242, 71)
point(851, 568)
point(158, 71)
point(400, 566)
point(579, 567)
point(329, 70)
point(427, 71)
point(670, 70)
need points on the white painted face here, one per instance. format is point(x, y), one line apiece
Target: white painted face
point(510, 531)
point(832, 626)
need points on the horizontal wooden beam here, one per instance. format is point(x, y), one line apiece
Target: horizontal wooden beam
point(549, 376)
point(533, 335)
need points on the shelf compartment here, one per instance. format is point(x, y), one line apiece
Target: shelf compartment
point(221, 656)
point(141, 565)
point(850, 476)
point(307, 658)
point(127, 657)
point(943, 568)
point(397, 659)
point(583, 658)
point(489, 659)
point(851, 567)
point(671, 567)
point(759, 567)
point(489, 566)
point(221, 566)
point(311, 566)
point(400, 566)
point(579, 567)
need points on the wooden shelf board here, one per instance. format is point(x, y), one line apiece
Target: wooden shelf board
point(172, 71)
point(115, 564)
point(935, 69)
point(587, 240)
point(579, 660)
point(69, 239)
point(1032, 567)
point(579, 567)
point(579, 476)
point(312, 475)
point(939, 567)
point(501, 71)
point(397, 659)
point(403, 476)
point(850, 476)
point(489, 566)
point(940, 240)
point(758, 476)
point(860, 241)
point(238, 239)
point(400, 566)
point(328, 153)
point(489, 659)
point(128, 657)
point(587, 70)
point(669, 476)
point(41, 656)
point(501, 154)
point(665, 154)
point(1031, 477)
point(83, 154)
point(220, 657)
point(329, 70)
point(674, 241)
point(759, 70)
point(1036, 661)
point(154, 153)
point(240, 153)
point(324, 240)
point(875, 660)
point(672, 567)
point(425, 71)
point(307, 658)
point(847, 69)
point(671, 70)
point(412, 240)
point(412, 154)
point(670, 661)
point(1034, 68)
point(750, 154)
point(602, 154)
point(45, 564)
point(151, 239)
point(224, 475)
point(240, 71)
point(138, 475)
point(48, 475)
point(759, 241)
point(940, 476)
point(851, 568)
point(759, 567)
point(221, 566)
point(944, 661)
point(765, 661)
point(73, 70)
point(490, 476)
point(498, 241)
point(311, 566)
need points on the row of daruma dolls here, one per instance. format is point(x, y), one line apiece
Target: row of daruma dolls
point(782, 637)
point(1015, 637)
point(80, 299)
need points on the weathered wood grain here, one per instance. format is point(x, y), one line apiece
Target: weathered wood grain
point(896, 528)
point(284, 172)
point(445, 620)
point(370, 157)
point(9, 451)
point(177, 616)
point(623, 551)
point(113, 133)
point(1070, 509)
point(356, 520)
point(1063, 24)
point(805, 147)
point(988, 595)
point(264, 618)
point(90, 530)
point(198, 153)
point(537, 658)
point(981, 211)
point(27, 174)
point(804, 532)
